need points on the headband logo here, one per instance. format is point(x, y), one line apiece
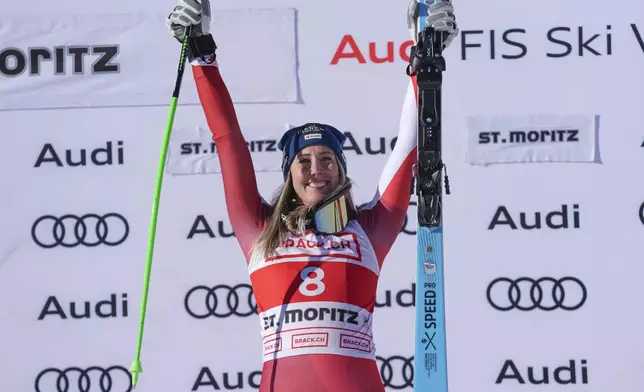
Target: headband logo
point(312, 128)
point(313, 136)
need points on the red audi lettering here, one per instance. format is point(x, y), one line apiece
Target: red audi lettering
point(349, 49)
point(405, 50)
point(390, 53)
point(355, 53)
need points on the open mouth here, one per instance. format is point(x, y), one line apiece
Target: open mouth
point(318, 184)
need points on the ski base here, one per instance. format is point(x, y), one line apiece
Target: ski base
point(430, 358)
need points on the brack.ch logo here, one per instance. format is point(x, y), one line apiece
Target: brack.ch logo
point(89, 230)
point(527, 294)
point(90, 379)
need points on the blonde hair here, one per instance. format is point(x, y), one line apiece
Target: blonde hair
point(289, 213)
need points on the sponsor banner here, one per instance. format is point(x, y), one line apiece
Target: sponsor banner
point(319, 314)
point(220, 301)
point(95, 60)
point(536, 138)
point(108, 153)
point(355, 342)
point(224, 301)
point(114, 378)
point(192, 150)
point(272, 345)
point(518, 373)
point(210, 378)
point(202, 227)
point(57, 307)
point(85, 230)
point(316, 328)
point(545, 293)
point(303, 340)
point(539, 261)
point(342, 245)
point(396, 372)
point(565, 217)
point(531, 41)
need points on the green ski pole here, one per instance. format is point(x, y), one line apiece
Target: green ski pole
point(136, 368)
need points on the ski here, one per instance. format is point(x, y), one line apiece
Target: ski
point(430, 353)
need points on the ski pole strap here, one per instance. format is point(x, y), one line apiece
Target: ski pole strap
point(204, 47)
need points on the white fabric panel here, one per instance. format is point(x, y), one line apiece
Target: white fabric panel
point(86, 60)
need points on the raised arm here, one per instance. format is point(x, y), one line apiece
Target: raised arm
point(383, 218)
point(246, 209)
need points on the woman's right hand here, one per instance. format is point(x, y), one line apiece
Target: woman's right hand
point(194, 13)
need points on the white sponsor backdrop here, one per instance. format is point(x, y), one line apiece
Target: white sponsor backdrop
point(280, 65)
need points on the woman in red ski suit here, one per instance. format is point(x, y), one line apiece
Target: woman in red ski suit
point(313, 259)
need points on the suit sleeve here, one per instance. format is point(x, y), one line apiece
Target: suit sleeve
point(383, 218)
point(246, 209)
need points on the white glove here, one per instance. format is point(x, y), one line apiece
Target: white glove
point(194, 13)
point(439, 16)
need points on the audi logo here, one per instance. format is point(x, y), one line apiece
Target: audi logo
point(396, 372)
point(642, 213)
point(220, 301)
point(544, 293)
point(92, 379)
point(89, 230)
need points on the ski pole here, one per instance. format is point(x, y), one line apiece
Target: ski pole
point(136, 368)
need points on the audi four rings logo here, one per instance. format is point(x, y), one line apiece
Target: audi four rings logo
point(220, 301)
point(396, 372)
point(92, 379)
point(642, 213)
point(89, 230)
point(544, 293)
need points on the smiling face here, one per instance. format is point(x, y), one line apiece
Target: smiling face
point(315, 174)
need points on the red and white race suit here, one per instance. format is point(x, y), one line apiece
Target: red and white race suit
point(316, 295)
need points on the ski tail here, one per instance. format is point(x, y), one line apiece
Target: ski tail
point(430, 354)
